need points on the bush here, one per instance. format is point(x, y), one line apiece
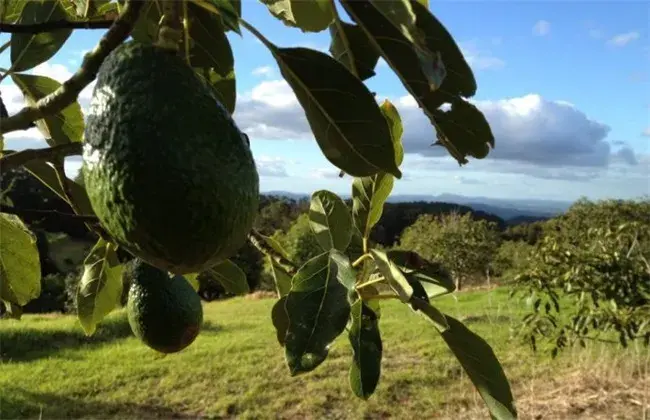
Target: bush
point(463, 245)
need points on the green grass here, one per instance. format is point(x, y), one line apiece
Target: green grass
point(236, 369)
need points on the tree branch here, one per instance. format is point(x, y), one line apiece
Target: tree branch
point(37, 28)
point(13, 159)
point(69, 91)
point(48, 213)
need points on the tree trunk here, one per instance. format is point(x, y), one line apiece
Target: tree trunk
point(459, 282)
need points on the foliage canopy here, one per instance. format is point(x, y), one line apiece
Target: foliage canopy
point(341, 287)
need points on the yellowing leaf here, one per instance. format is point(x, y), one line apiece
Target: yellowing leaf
point(20, 267)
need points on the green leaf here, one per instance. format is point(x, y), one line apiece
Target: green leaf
point(223, 86)
point(100, 287)
point(211, 54)
point(230, 276)
point(420, 303)
point(281, 278)
point(309, 16)
point(483, 368)
point(47, 175)
point(342, 113)
point(318, 312)
point(330, 220)
point(459, 79)
point(420, 71)
point(352, 48)
point(280, 319)
point(30, 50)
point(192, 279)
point(229, 11)
point(393, 275)
point(367, 349)
point(10, 10)
point(67, 125)
point(344, 272)
point(146, 27)
point(370, 193)
point(435, 280)
point(466, 128)
point(20, 266)
point(13, 311)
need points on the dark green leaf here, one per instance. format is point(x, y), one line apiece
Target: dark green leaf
point(280, 319)
point(367, 348)
point(229, 11)
point(100, 287)
point(342, 113)
point(420, 303)
point(66, 126)
point(460, 79)
point(281, 277)
point(318, 312)
point(330, 220)
point(47, 175)
point(211, 54)
point(224, 86)
point(391, 28)
point(466, 128)
point(30, 50)
point(435, 280)
point(421, 72)
point(393, 275)
point(483, 368)
point(20, 266)
point(352, 48)
point(146, 27)
point(309, 16)
point(230, 276)
point(344, 272)
point(370, 193)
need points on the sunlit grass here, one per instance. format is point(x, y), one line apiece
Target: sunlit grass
point(236, 369)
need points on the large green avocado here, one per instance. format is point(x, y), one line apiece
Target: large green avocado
point(168, 173)
point(163, 310)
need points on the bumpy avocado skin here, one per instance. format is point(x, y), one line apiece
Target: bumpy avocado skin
point(168, 173)
point(163, 311)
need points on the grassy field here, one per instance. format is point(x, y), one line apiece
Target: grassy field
point(236, 369)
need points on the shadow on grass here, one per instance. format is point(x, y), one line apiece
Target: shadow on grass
point(29, 343)
point(21, 403)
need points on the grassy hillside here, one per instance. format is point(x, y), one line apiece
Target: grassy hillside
point(236, 369)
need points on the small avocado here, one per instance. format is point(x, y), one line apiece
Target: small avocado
point(163, 310)
point(169, 174)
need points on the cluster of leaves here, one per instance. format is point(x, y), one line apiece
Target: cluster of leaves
point(589, 283)
point(463, 245)
point(340, 287)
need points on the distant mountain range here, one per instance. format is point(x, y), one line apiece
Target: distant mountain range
point(507, 209)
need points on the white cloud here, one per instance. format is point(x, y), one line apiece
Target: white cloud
point(646, 132)
point(325, 173)
point(268, 166)
point(542, 27)
point(480, 58)
point(623, 39)
point(533, 134)
point(264, 71)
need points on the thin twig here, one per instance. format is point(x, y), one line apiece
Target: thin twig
point(12, 159)
point(67, 93)
point(48, 213)
point(37, 28)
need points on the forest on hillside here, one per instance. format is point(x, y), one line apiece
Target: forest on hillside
point(477, 248)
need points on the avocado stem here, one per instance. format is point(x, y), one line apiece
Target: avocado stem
point(170, 33)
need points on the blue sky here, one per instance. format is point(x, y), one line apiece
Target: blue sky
point(564, 85)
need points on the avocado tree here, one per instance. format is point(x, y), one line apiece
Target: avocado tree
point(464, 246)
point(209, 202)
